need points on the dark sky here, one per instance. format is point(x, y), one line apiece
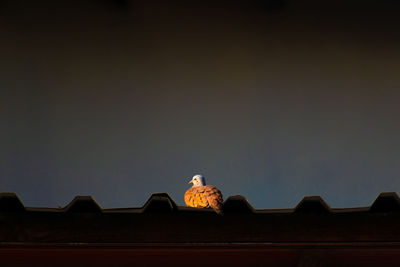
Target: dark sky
point(273, 100)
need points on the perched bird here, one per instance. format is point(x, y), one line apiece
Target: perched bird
point(201, 195)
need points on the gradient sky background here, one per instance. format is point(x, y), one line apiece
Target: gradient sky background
point(273, 100)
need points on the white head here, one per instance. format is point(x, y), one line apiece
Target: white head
point(198, 180)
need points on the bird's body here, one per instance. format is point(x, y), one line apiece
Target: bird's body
point(201, 195)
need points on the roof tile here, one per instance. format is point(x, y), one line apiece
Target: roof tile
point(312, 204)
point(83, 204)
point(237, 204)
point(386, 202)
point(159, 202)
point(10, 202)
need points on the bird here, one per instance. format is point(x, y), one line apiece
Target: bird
point(201, 195)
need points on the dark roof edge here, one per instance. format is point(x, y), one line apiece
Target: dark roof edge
point(162, 202)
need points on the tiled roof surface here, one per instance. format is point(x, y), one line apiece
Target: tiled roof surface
point(160, 220)
point(162, 233)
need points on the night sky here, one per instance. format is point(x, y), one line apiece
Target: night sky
point(273, 100)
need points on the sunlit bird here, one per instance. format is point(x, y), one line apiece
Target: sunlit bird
point(201, 195)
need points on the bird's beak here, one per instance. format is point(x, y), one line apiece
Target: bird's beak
point(191, 182)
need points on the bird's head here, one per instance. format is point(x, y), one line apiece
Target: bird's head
point(198, 180)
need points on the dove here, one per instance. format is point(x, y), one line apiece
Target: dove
point(201, 195)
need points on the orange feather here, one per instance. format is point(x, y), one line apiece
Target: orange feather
point(204, 197)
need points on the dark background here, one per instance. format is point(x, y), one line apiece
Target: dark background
point(273, 100)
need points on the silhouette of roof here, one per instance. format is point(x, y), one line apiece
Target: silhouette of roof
point(161, 224)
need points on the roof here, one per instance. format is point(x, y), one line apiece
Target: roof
point(163, 232)
point(160, 220)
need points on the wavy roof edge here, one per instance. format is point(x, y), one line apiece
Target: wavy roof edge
point(162, 202)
